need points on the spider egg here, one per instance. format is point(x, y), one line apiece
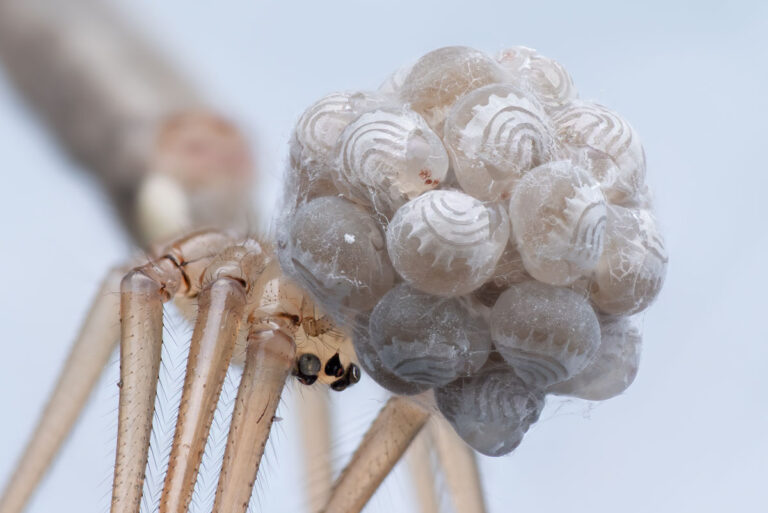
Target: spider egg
point(386, 157)
point(371, 363)
point(509, 270)
point(632, 268)
point(338, 253)
point(394, 82)
point(427, 339)
point(547, 334)
point(446, 242)
point(558, 217)
point(592, 126)
point(613, 368)
point(495, 134)
point(546, 78)
point(315, 135)
point(491, 411)
point(442, 76)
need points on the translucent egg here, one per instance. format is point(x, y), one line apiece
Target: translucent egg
point(547, 334)
point(582, 286)
point(614, 366)
point(338, 253)
point(491, 411)
point(633, 266)
point(315, 135)
point(371, 363)
point(599, 165)
point(558, 217)
point(442, 76)
point(592, 126)
point(494, 135)
point(509, 269)
point(387, 157)
point(446, 242)
point(546, 78)
point(426, 339)
point(394, 82)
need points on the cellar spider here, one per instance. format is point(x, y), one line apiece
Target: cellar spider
point(247, 245)
point(173, 166)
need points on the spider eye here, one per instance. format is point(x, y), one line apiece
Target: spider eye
point(307, 368)
point(350, 377)
point(333, 366)
point(309, 364)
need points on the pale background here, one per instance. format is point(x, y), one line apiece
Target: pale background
point(691, 435)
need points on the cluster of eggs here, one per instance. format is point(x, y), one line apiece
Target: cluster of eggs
point(486, 233)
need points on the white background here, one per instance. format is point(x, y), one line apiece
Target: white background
point(691, 435)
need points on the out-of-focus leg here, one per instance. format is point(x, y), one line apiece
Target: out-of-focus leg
point(126, 113)
point(389, 436)
point(142, 293)
point(313, 406)
point(459, 466)
point(419, 457)
point(88, 356)
point(220, 311)
point(269, 358)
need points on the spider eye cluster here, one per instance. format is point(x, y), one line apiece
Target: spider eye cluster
point(482, 231)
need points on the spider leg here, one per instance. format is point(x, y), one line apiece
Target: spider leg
point(422, 472)
point(269, 358)
point(384, 443)
point(88, 356)
point(142, 293)
point(313, 408)
point(459, 465)
point(221, 305)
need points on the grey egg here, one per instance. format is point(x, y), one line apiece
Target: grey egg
point(371, 363)
point(337, 251)
point(547, 334)
point(491, 411)
point(428, 339)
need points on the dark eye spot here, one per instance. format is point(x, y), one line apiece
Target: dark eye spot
point(353, 372)
point(307, 367)
point(340, 384)
point(333, 366)
point(309, 364)
point(351, 377)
